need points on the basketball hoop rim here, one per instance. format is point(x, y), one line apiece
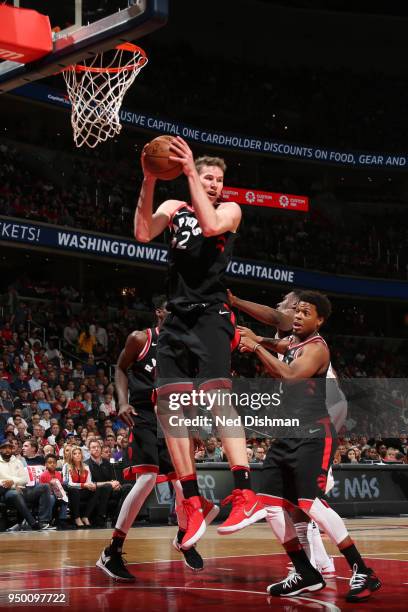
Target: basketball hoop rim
point(141, 61)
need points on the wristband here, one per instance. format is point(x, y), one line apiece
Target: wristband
point(256, 347)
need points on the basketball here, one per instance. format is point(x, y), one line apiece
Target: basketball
point(157, 161)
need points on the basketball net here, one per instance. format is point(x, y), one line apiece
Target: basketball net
point(96, 92)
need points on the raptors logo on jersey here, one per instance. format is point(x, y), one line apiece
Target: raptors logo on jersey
point(196, 263)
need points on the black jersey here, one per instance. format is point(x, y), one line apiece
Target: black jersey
point(305, 399)
point(196, 263)
point(141, 373)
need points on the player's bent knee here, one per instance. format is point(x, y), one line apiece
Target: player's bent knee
point(281, 523)
point(326, 518)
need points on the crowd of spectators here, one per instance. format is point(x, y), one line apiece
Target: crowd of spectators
point(341, 244)
point(59, 413)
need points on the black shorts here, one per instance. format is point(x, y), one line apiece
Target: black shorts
point(295, 470)
point(195, 348)
point(147, 453)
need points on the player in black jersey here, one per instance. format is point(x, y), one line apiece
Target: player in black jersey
point(147, 455)
point(282, 318)
point(194, 347)
point(295, 470)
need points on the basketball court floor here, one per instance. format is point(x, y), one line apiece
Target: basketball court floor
point(237, 570)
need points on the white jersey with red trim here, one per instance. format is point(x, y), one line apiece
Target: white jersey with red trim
point(336, 401)
point(305, 399)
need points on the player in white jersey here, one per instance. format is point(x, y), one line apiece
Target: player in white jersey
point(281, 318)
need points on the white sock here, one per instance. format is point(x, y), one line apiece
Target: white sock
point(302, 530)
point(316, 544)
point(134, 501)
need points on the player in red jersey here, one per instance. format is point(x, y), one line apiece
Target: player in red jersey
point(194, 346)
point(296, 468)
point(147, 454)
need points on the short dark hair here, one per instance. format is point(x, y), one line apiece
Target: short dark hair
point(50, 456)
point(33, 443)
point(159, 301)
point(319, 300)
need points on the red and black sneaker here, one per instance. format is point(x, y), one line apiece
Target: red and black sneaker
point(196, 524)
point(362, 584)
point(246, 509)
point(210, 510)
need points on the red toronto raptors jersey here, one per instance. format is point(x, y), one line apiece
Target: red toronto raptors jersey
point(196, 263)
point(141, 373)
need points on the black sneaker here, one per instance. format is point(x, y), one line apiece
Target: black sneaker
point(362, 584)
point(295, 583)
point(192, 557)
point(113, 564)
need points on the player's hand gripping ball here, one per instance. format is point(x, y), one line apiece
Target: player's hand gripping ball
point(156, 159)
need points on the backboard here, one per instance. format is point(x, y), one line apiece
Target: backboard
point(80, 29)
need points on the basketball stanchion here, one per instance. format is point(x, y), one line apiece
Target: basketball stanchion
point(96, 89)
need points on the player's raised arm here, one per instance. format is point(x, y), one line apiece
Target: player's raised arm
point(213, 221)
point(133, 347)
point(283, 320)
point(148, 225)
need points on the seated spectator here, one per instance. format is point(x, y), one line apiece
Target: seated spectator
point(69, 428)
point(78, 371)
point(17, 448)
point(43, 403)
point(103, 475)
point(382, 450)
point(250, 454)
point(52, 353)
point(53, 478)
point(13, 481)
point(351, 456)
point(75, 407)
point(108, 407)
point(390, 456)
point(20, 383)
point(212, 450)
point(87, 402)
point(90, 367)
point(71, 334)
point(80, 488)
point(106, 452)
point(35, 381)
point(122, 443)
point(23, 402)
point(86, 341)
point(6, 401)
point(55, 431)
point(45, 419)
point(31, 454)
point(39, 435)
point(110, 439)
point(259, 454)
point(22, 433)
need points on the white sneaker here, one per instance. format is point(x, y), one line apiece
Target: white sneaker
point(48, 527)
